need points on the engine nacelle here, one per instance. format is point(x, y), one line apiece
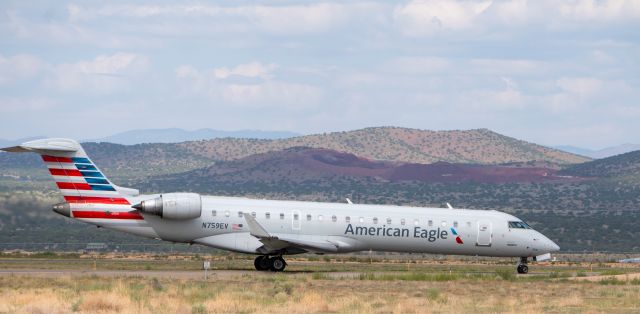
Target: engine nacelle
point(178, 206)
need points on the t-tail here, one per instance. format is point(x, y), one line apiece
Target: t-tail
point(87, 191)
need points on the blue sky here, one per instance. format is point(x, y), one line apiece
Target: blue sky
point(551, 72)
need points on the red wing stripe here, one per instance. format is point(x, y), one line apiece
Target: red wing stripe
point(65, 172)
point(96, 200)
point(107, 215)
point(56, 159)
point(73, 186)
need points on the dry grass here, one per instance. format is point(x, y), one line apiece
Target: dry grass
point(301, 293)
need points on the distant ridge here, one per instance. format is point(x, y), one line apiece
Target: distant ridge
point(302, 164)
point(600, 153)
point(481, 146)
point(7, 143)
point(620, 166)
point(176, 135)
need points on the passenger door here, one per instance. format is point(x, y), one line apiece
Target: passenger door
point(295, 220)
point(484, 233)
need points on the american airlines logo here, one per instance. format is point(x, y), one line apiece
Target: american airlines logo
point(430, 235)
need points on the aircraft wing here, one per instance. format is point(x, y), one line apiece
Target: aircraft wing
point(275, 243)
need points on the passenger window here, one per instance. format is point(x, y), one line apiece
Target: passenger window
point(296, 216)
point(319, 217)
point(253, 214)
point(402, 221)
point(375, 220)
point(240, 214)
point(226, 213)
point(455, 224)
point(388, 221)
point(281, 216)
point(469, 224)
point(334, 218)
point(267, 215)
point(430, 223)
point(361, 219)
point(347, 219)
point(213, 213)
point(308, 217)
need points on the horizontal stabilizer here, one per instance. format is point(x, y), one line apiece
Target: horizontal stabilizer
point(50, 146)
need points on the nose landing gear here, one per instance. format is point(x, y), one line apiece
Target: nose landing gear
point(522, 266)
point(264, 262)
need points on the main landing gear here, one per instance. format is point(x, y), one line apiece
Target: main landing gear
point(264, 262)
point(522, 266)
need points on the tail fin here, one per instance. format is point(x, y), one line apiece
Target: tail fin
point(77, 177)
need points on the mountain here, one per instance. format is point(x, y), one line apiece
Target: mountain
point(480, 146)
point(174, 135)
point(7, 143)
point(620, 166)
point(576, 150)
point(390, 144)
point(600, 153)
point(300, 164)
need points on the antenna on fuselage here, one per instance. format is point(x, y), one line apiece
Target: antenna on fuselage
point(449, 206)
point(349, 201)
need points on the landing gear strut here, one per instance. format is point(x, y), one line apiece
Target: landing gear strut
point(265, 262)
point(522, 266)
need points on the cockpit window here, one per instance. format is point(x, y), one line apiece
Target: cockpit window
point(518, 225)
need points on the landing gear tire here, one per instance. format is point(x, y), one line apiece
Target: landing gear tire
point(277, 263)
point(262, 263)
point(523, 269)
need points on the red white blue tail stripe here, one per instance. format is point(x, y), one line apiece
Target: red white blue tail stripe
point(80, 181)
point(85, 186)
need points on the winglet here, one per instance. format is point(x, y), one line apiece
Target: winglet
point(255, 229)
point(449, 206)
point(349, 201)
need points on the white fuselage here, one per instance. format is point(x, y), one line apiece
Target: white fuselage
point(350, 227)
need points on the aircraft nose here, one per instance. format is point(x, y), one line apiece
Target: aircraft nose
point(553, 247)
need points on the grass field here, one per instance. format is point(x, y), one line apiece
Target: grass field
point(310, 286)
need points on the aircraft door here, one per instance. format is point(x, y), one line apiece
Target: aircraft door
point(484, 233)
point(295, 220)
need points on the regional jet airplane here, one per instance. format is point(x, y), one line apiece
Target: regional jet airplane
point(271, 229)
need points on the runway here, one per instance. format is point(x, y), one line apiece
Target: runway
point(168, 274)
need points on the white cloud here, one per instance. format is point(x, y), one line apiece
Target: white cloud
point(25, 105)
point(600, 10)
point(279, 19)
point(252, 69)
point(580, 86)
point(418, 18)
point(267, 92)
point(429, 17)
point(19, 67)
point(104, 74)
point(420, 65)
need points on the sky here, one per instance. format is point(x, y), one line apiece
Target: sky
point(548, 71)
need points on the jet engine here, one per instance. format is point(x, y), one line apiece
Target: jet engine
point(177, 206)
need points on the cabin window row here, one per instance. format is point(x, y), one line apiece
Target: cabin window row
point(347, 219)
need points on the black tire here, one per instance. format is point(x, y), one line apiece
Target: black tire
point(262, 263)
point(523, 269)
point(278, 264)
